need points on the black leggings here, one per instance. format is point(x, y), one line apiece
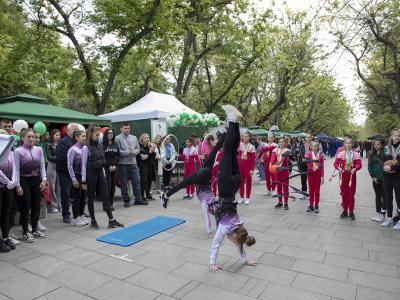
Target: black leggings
point(380, 202)
point(97, 187)
point(389, 184)
point(166, 177)
point(228, 172)
point(111, 178)
point(203, 176)
point(6, 200)
point(78, 205)
point(146, 176)
point(30, 200)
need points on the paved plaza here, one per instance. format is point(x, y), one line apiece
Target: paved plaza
point(301, 255)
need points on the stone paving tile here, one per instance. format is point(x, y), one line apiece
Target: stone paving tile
point(361, 265)
point(115, 267)
point(342, 241)
point(80, 257)
point(279, 292)
point(158, 281)
point(47, 246)
point(45, 266)
point(345, 251)
point(325, 286)
point(276, 260)
point(26, 286)
point(301, 253)
point(3, 297)
point(165, 262)
point(290, 241)
point(322, 270)
point(186, 289)
point(81, 279)
point(269, 273)
point(8, 270)
point(381, 248)
point(378, 282)
point(357, 236)
point(63, 293)
point(364, 293)
point(121, 290)
point(225, 280)
point(206, 292)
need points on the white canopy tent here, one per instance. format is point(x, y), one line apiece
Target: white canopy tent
point(152, 106)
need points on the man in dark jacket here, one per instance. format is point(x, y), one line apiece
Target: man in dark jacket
point(62, 170)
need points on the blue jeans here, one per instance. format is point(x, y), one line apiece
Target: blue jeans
point(126, 172)
point(65, 191)
point(260, 168)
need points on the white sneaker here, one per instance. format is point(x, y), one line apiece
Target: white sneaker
point(84, 220)
point(240, 201)
point(378, 218)
point(274, 194)
point(262, 182)
point(268, 193)
point(29, 227)
point(232, 113)
point(14, 238)
point(78, 222)
point(40, 226)
point(247, 201)
point(397, 226)
point(387, 223)
point(53, 210)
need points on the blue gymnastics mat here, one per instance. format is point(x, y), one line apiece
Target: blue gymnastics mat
point(140, 231)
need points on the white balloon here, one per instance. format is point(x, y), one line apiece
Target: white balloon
point(19, 125)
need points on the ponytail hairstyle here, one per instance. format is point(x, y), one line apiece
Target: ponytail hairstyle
point(372, 154)
point(242, 237)
point(77, 134)
point(89, 132)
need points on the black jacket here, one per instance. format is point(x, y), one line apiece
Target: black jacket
point(111, 152)
point(51, 152)
point(61, 154)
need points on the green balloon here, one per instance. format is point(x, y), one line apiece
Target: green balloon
point(184, 116)
point(178, 123)
point(16, 137)
point(195, 116)
point(39, 127)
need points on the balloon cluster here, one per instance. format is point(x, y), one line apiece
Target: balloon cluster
point(193, 120)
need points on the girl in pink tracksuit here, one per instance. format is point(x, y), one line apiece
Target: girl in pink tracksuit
point(348, 162)
point(247, 162)
point(266, 150)
point(191, 158)
point(315, 169)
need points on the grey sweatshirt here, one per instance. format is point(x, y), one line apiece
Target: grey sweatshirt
point(126, 143)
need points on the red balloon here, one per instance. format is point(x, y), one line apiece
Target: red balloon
point(273, 169)
point(13, 132)
point(63, 130)
point(103, 130)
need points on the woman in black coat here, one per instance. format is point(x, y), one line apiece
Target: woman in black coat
point(145, 161)
point(111, 153)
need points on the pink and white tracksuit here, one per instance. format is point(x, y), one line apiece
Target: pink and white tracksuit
point(247, 162)
point(191, 158)
point(266, 150)
point(315, 168)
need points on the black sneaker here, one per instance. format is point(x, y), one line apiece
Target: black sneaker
point(344, 215)
point(37, 234)
point(285, 206)
point(310, 208)
point(150, 198)
point(352, 216)
point(27, 237)
point(94, 225)
point(316, 210)
point(67, 220)
point(279, 205)
point(112, 208)
point(141, 202)
point(10, 243)
point(4, 248)
point(114, 224)
point(127, 204)
point(186, 197)
point(164, 200)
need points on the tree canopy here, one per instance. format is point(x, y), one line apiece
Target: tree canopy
point(100, 55)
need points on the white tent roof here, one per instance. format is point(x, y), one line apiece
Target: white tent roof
point(152, 106)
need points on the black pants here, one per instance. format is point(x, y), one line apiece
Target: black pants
point(166, 176)
point(97, 188)
point(391, 183)
point(6, 200)
point(202, 176)
point(303, 169)
point(380, 202)
point(146, 176)
point(111, 178)
point(30, 200)
point(78, 204)
point(228, 172)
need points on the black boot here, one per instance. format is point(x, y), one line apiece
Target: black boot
point(3, 247)
point(344, 215)
point(352, 216)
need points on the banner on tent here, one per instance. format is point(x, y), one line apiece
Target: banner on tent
point(158, 127)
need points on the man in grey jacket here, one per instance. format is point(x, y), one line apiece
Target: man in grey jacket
point(128, 149)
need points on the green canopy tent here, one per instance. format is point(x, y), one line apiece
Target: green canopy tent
point(280, 133)
point(297, 134)
point(24, 98)
point(34, 111)
point(257, 130)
